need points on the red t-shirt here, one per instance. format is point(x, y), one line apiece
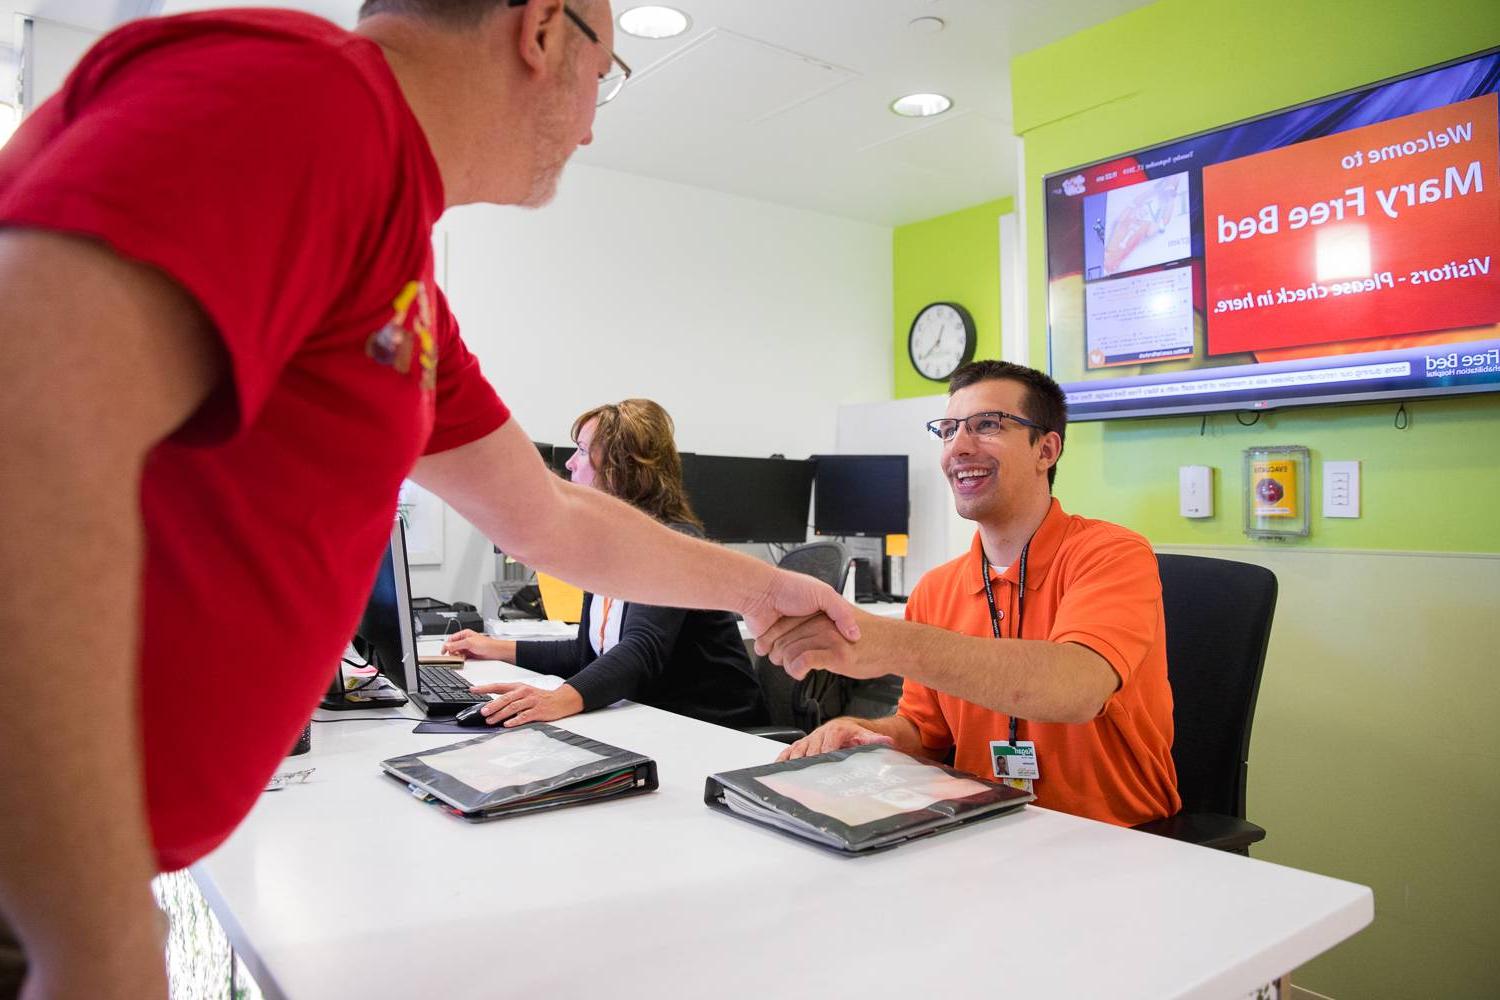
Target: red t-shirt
point(267, 162)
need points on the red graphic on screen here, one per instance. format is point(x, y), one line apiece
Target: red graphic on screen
point(1377, 231)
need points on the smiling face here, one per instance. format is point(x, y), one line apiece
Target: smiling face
point(1001, 476)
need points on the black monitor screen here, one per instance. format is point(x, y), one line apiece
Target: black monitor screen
point(860, 495)
point(378, 637)
point(749, 499)
point(555, 457)
point(385, 636)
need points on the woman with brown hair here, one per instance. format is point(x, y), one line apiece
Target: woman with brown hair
point(689, 662)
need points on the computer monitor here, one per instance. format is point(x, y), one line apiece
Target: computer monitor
point(860, 495)
point(749, 499)
point(385, 635)
point(560, 455)
point(555, 457)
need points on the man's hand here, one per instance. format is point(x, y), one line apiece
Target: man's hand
point(473, 646)
point(813, 643)
point(519, 704)
point(796, 595)
point(835, 735)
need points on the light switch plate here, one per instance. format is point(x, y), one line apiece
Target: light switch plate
point(1340, 489)
point(1195, 490)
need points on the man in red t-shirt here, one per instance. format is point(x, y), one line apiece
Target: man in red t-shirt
point(1076, 684)
point(224, 350)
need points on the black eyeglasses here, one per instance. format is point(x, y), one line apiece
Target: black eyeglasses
point(986, 424)
point(611, 82)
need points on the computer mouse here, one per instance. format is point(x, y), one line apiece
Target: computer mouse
point(471, 717)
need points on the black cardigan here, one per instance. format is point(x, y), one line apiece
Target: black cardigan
point(689, 662)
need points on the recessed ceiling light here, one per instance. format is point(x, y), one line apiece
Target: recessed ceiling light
point(921, 105)
point(654, 22)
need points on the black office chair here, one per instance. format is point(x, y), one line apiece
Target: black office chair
point(798, 707)
point(1218, 616)
point(826, 560)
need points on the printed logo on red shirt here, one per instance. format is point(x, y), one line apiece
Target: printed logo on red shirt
point(409, 329)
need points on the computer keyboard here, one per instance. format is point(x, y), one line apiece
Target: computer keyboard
point(442, 684)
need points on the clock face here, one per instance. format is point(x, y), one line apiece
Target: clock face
point(941, 339)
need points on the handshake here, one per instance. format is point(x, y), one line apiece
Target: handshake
point(801, 624)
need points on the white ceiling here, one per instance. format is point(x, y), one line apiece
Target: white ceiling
point(787, 100)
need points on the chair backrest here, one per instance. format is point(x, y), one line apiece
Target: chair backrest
point(1218, 615)
point(819, 696)
point(825, 560)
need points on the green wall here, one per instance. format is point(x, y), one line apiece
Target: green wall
point(1366, 648)
point(1373, 640)
point(953, 258)
point(1181, 66)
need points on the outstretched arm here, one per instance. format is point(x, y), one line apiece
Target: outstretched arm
point(596, 542)
point(1028, 678)
point(103, 359)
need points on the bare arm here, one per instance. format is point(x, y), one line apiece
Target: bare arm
point(1028, 678)
point(596, 542)
point(103, 359)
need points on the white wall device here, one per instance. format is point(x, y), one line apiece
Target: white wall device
point(1195, 490)
point(1340, 489)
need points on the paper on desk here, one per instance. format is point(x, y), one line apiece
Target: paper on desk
point(529, 629)
point(519, 757)
point(870, 786)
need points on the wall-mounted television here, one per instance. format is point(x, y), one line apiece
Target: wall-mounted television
point(1339, 251)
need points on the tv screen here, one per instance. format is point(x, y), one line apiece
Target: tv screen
point(749, 499)
point(860, 495)
point(1339, 251)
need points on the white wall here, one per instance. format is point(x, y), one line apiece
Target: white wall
point(750, 322)
point(49, 51)
point(898, 427)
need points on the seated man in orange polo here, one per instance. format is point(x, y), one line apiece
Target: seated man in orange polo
point(1049, 643)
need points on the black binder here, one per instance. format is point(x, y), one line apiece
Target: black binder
point(521, 770)
point(861, 799)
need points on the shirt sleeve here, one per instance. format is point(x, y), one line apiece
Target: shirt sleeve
point(1111, 602)
point(467, 406)
point(558, 658)
point(919, 703)
point(548, 656)
point(628, 668)
point(242, 173)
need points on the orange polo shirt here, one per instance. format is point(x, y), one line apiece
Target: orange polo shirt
point(1089, 582)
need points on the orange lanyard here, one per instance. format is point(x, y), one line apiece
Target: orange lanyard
point(604, 622)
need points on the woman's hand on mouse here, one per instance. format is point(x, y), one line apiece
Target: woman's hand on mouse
point(475, 646)
point(519, 704)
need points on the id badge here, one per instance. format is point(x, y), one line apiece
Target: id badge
point(1015, 763)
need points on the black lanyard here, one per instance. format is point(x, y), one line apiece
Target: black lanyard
point(989, 595)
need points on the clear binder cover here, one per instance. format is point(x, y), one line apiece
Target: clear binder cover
point(859, 799)
point(518, 770)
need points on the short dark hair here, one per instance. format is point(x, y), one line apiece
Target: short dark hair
point(1044, 401)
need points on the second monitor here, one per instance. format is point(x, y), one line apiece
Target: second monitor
point(861, 495)
point(749, 499)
